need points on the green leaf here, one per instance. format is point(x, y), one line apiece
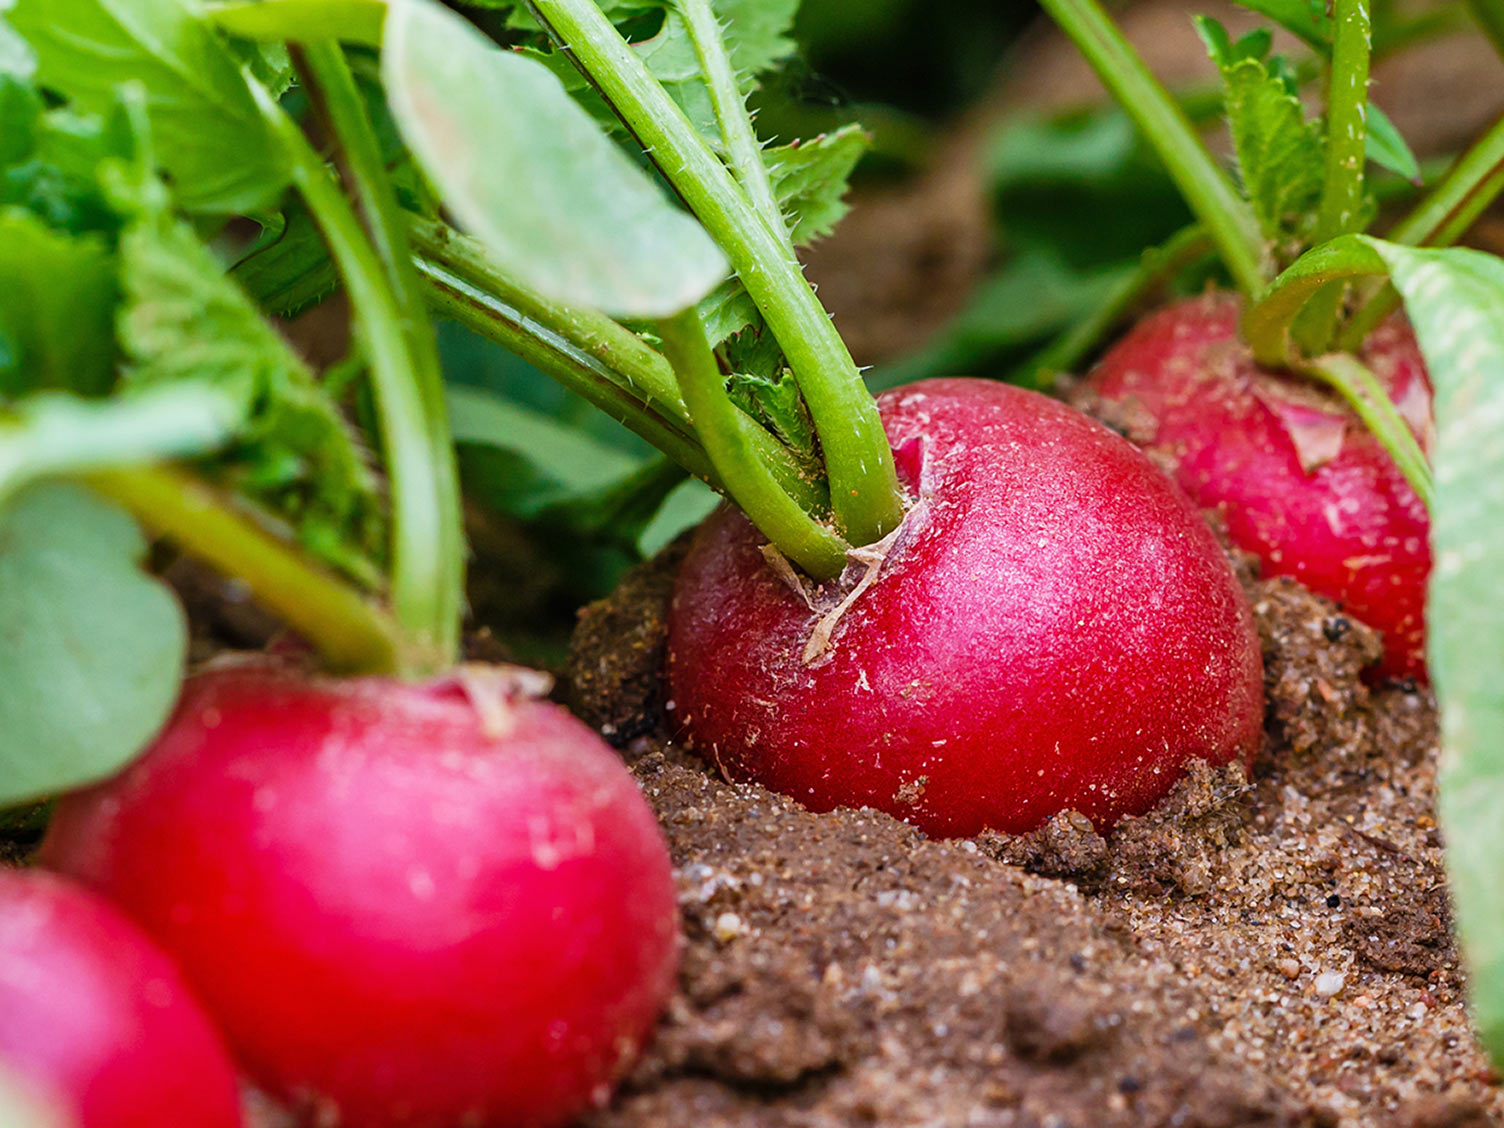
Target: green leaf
point(354, 21)
point(528, 172)
point(1455, 300)
point(547, 463)
point(207, 130)
point(57, 299)
point(94, 649)
point(1387, 148)
point(183, 321)
point(810, 179)
point(1281, 156)
point(1308, 19)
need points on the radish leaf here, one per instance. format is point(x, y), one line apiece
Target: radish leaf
point(94, 648)
point(183, 320)
point(206, 127)
point(810, 180)
point(355, 21)
point(1455, 300)
point(527, 171)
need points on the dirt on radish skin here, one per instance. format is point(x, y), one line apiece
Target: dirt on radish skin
point(1052, 626)
point(1299, 480)
point(96, 1022)
point(1259, 950)
point(406, 905)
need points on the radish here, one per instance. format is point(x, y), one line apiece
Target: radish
point(1299, 480)
point(1053, 626)
point(407, 904)
point(94, 1019)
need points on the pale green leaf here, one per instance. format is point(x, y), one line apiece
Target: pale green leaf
point(1455, 300)
point(1386, 147)
point(206, 127)
point(94, 649)
point(1311, 20)
point(526, 171)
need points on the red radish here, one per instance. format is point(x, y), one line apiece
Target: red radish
point(1302, 483)
point(1054, 627)
point(418, 905)
point(96, 1021)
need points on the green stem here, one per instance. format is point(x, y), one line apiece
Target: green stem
point(742, 146)
point(864, 489)
point(1227, 218)
point(1490, 17)
point(334, 93)
point(590, 354)
point(1443, 217)
point(1341, 210)
point(1159, 265)
point(420, 576)
point(1362, 390)
point(793, 532)
point(350, 632)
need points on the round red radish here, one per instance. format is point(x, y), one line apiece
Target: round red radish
point(1053, 627)
point(94, 1019)
point(417, 905)
point(1301, 482)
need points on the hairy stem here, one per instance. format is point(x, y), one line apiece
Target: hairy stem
point(793, 532)
point(590, 354)
point(1341, 209)
point(864, 489)
point(351, 633)
point(1227, 218)
point(742, 146)
point(421, 576)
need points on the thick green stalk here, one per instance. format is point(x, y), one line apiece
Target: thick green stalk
point(335, 95)
point(864, 489)
point(421, 574)
point(350, 632)
point(590, 354)
point(1226, 216)
point(1443, 217)
point(742, 146)
point(1341, 211)
point(751, 485)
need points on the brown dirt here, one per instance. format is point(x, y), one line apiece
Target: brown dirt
point(1264, 949)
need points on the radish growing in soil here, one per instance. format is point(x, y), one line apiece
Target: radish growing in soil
point(96, 1020)
point(1053, 627)
point(1294, 473)
point(431, 904)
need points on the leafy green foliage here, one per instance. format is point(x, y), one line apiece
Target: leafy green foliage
point(810, 179)
point(355, 21)
point(1455, 300)
point(183, 321)
point(209, 133)
point(57, 298)
point(527, 171)
point(1281, 156)
point(94, 648)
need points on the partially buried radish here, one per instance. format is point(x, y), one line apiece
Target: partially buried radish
point(1297, 477)
point(1053, 626)
point(95, 1022)
point(419, 905)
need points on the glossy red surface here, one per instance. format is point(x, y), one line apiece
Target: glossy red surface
point(94, 1018)
point(1299, 479)
point(1055, 628)
point(400, 907)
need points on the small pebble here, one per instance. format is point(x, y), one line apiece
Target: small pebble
point(728, 926)
point(1330, 983)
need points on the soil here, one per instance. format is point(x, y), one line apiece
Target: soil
point(1266, 948)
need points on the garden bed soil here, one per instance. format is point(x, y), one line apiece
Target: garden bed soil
point(1270, 948)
